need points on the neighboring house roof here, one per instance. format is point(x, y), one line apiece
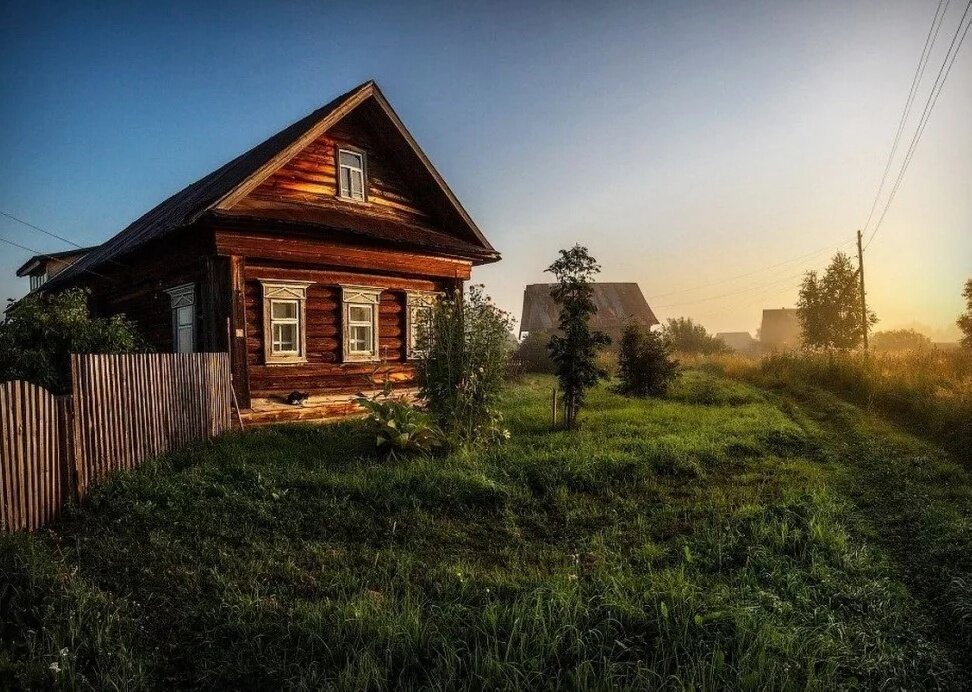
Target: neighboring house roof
point(616, 303)
point(221, 189)
point(737, 341)
point(780, 327)
point(64, 257)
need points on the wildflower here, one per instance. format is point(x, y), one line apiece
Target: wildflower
point(56, 667)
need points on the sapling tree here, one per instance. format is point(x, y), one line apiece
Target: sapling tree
point(964, 321)
point(829, 307)
point(574, 348)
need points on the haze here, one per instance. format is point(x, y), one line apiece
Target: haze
point(683, 146)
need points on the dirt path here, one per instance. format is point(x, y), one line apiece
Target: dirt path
point(911, 498)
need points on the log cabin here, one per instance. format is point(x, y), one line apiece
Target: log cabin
point(311, 259)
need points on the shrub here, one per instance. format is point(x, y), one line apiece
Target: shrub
point(41, 332)
point(900, 340)
point(464, 367)
point(399, 428)
point(686, 336)
point(645, 365)
point(533, 354)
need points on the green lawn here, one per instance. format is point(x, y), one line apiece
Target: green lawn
point(726, 536)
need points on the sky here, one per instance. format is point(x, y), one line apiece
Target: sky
point(711, 152)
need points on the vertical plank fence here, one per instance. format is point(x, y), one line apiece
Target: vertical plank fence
point(123, 409)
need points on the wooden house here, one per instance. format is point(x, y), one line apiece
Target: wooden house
point(616, 304)
point(39, 268)
point(310, 259)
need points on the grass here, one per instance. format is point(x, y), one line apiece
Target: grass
point(728, 536)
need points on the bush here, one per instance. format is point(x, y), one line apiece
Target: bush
point(41, 332)
point(685, 336)
point(464, 367)
point(399, 428)
point(645, 365)
point(900, 340)
point(533, 354)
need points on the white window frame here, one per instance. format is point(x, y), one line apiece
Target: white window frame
point(37, 280)
point(281, 291)
point(182, 298)
point(360, 296)
point(415, 302)
point(362, 171)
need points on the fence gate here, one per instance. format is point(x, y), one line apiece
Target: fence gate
point(34, 426)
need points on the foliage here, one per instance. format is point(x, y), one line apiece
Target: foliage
point(964, 321)
point(40, 333)
point(464, 366)
point(399, 428)
point(686, 336)
point(899, 340)
point(758, 544)
point(574, 348)
point(645, 363)
point(829, 307)
point(534, 355)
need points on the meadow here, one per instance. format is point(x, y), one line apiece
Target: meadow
point(732, 535)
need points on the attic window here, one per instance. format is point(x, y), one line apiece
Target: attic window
point(37, 280)
point(351, 171)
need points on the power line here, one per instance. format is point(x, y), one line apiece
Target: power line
point(930, 102)
point(38, 228)
point(912, 92)
point(756, 287)
point(759, 270)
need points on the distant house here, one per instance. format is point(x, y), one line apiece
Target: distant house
point(740, 342)
point(311, 258)
point(780, 330)
point(40, 268)
point(616, 304)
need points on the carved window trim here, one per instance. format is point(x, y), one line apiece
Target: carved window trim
point(182, 306)
point(415, 303)
point(281, 291)
point(360, 296)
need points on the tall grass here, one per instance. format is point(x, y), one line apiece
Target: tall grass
point(928, 390)
point(692, 542)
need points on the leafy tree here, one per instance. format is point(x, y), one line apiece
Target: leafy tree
point(645, 363)
point(900, 340)
point(685, 336)
point(964, 321)
point(574, 348)
point(829, 307)
point(466, 351)
point(41, 332)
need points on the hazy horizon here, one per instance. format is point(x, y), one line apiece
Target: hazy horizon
point(710, 153)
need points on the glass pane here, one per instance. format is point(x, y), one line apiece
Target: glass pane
point(356, 191)
point(283, 310)
point(184, 316)
point(349, 158)
point(284, 338)
point(359, 339)
point(345, 182)
point(359, 313)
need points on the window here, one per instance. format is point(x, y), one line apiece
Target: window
point(37, 280)
point(183, 305)
point(360, 313)
point(418, 314)
point(284, 329)
point(351, 171)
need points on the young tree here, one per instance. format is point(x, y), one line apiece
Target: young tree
point(829, 307)
point(900, 340)
point(964, 321)
point(686, 336)
point(645, 365)
point(574, 348)
point(41, 332)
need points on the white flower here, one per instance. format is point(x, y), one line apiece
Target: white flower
point(56, 667)
point(64, 651)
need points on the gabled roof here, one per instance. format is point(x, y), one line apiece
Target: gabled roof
point(222, 188)
point(35, 261)
point(616, 303)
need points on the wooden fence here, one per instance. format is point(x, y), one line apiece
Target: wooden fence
point(123, 409)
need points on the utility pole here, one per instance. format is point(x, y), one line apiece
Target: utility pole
point(860, 276)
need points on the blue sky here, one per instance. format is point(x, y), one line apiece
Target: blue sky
point(684, 144)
